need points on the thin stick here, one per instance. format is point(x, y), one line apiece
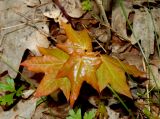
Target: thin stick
point(102, 11)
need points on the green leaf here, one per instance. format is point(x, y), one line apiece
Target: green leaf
point(90, 115)
point(7, 99)
point(19, 91)
point(8, 86)
point(86, 5)
point(41, 100)
point(74, 115)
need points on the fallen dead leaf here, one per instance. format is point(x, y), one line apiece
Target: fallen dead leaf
point(155, 77)
point(32, 3)
point(44, 111)
point(24, 109)
point(72, 7)
point(143, 27)
point(17, 35)
point(101, 35)
point(144, 30)
point(27, 93)
point(107, 5)
point(71, 63)
point(119, 20)
point(112, 114)
point(156, 20)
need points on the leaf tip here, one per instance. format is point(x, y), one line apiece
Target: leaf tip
point(24, 63)
point(38, 94)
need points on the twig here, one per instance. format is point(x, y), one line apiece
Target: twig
point(148, 106)
point(105, 20)
point(102, 11)
point(9, 27)
point(32, 24)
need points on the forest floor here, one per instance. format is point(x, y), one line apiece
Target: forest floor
point(80, 59)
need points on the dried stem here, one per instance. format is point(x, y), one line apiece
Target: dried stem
point(102, 11)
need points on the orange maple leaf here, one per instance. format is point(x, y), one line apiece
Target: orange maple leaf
point(80, 68)
point(69, 64)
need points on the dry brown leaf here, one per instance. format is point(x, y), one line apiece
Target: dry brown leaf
point(118, 19)
point(16, 36)
point(101, 35)
point(44, 111)
point(32, 3)
point(156, 20)
point(112, 114)
point(144, 30)
point(155, 77)
point(72, 7)
point(24, 109)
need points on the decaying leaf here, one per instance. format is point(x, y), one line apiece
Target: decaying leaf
point(143, 29)
point(119, 20)
point(68, 70)
point(156, 20)
point(18, 32)
point(145, 23)
point(107, 5)
point(155, 74)
point(54, 12)
point(112, 114)
point(72, 7)
point(155, 77)
point(24, 109)
point(32, 3)
point(50, 111)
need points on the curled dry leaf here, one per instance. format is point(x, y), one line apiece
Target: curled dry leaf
point(54, 12)
point(72, 7)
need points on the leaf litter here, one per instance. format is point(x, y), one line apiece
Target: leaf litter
point(70, 61)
